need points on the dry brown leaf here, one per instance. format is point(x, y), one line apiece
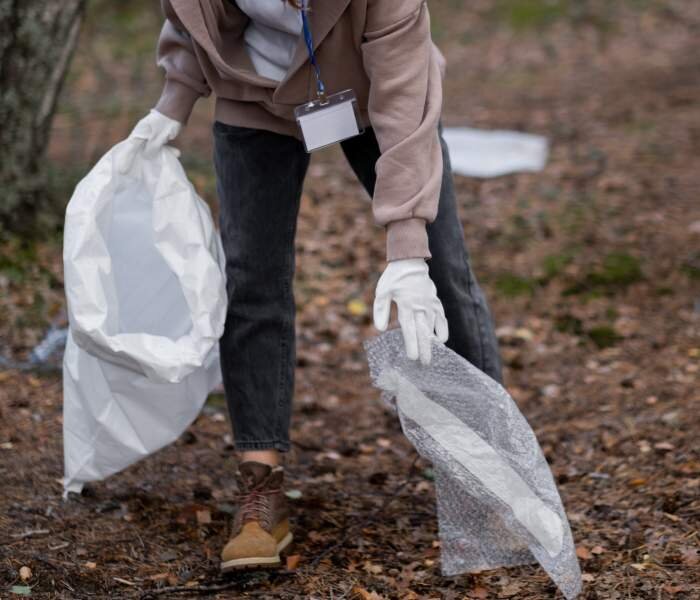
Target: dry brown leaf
point(372, 568)
point(664, 446)
point(583, 553)
point(25, 573)
point(479, 593)
point(510, 590)
point(293, 561)
point(364, 594)
point(691, 557)
point(204, 517)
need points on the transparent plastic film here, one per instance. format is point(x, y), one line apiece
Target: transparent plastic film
point(497, 502)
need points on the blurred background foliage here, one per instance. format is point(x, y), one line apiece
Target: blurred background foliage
point(113, 79)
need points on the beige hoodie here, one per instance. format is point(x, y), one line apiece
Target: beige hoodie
point(382, 49)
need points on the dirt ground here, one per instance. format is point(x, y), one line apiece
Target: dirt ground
point(592, 269)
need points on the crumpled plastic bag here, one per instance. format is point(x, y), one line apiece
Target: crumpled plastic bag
point(497, 502)
point(146, 296)
point(483, 153)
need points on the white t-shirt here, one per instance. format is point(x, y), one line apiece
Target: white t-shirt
point(271, 36)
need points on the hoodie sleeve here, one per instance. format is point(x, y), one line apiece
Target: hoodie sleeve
point(405, 70)
point(184, 80)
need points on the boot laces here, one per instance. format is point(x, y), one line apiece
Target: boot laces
point(255, 505)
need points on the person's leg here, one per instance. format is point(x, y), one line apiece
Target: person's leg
point(260, 176)
point(471, 329)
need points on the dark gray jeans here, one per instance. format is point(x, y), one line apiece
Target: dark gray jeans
point(259, 182)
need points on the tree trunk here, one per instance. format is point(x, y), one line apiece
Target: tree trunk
point(37, 39)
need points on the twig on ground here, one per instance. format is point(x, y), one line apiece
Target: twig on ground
point(200, 590)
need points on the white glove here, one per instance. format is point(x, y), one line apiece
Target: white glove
point(406, 282)
point(149, 136)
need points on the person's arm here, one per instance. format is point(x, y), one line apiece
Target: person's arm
point(184, 84)
point(184, 80)
point(405, 103)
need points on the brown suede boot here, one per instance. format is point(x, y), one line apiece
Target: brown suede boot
point(261, 525)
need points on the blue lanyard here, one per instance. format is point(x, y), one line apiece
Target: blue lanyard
point(320, 88)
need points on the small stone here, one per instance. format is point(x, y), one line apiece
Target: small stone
point(551, 391)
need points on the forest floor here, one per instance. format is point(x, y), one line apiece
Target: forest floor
point(592, 270)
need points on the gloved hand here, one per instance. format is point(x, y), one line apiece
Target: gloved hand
point(150, 135)
point(406, 282)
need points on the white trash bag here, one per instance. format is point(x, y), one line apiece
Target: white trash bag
point(497, 502)
point(145, 287)
point(485, 154)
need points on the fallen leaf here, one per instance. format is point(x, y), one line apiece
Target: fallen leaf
point(357, 307)
point(597, 550)
point(293, 494)
point(364, 594)
point(480, 593)
point(21, 590)
point(203, 517)
point(674, 589)
point(583, 553)
point(691, 557)
point(372, 568)
point(587, 577)
point(664, 446)
point(25, 573)
point(293, 561)
point(510, 590)
point(159, 576)
point(168, 555)
point(90, 565)
point(315, 536)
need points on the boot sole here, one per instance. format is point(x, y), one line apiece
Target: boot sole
point(258, 561)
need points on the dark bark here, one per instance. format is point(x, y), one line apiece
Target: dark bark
point(37, 40)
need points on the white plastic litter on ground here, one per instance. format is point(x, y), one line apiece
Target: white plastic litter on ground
point(479, 153)
point(497, 502)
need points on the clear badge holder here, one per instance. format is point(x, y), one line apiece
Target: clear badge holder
point(328, 120)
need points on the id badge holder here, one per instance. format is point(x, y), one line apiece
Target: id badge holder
point(329, 119)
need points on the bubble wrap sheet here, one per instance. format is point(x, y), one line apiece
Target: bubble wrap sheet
point(497, 503)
